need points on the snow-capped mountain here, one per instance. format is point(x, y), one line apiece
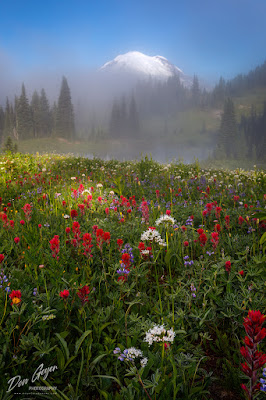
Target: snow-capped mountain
point(142, 66)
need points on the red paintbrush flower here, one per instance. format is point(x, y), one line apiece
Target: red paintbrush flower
point(228, 266)
point(255, 360)
point(64, 294)
point(83, 294)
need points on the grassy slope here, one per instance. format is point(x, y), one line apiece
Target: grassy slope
point(255, 97)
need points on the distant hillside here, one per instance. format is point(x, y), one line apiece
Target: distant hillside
point(250, 87)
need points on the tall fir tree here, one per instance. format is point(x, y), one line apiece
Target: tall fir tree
point(46, 116)
point(2, 123)
point(123, 123)
point(65, 126)
point(218, 94)
point(15, 119)
point(24, 116)
point(227, 138)
point(261, 140)
point(114, 125)
point(133, 118)
point(53, 118)
point(195, 91)
point(36, 113)
point(8, 123)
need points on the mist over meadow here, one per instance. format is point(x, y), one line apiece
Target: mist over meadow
point(123, 115)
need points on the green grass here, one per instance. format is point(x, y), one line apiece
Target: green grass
point(60, 307)
point(256, 97)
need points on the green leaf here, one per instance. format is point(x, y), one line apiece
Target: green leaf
point(108, 377)
point(180, 331)
point(57, 393)
point(69, 361)
point(60, 358)
point(260, 215)
point(80, 371)
point(204, 317)
point(104, 326)
point(80, 340)
point(63, 344)
point(97, 359)
point(263, 238)
point(104, 394)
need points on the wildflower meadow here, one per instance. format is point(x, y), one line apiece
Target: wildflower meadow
point(131, 280)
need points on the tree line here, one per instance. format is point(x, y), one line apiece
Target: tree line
point(37, 119)
point(244, 139)
point(24, 119)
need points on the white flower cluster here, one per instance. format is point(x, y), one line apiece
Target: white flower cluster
point(145, 252)
point(47, 317)
point(165, 219)
point(159, 334)
point(143, 362)
point(130, 354)
point(152, 235)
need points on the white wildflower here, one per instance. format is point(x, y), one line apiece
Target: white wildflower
point(143, 362)
point(86, 191)
point(132, 353)
point(165, 219)
point(152, 235)
point(145, 252)
point(159, 334)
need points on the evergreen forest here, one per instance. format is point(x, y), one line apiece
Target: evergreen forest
point(153, 110)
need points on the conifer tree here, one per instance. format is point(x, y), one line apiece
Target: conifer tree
point(65, 126)
point(115, 120)
point(46, 116)
point(9, 146)
point(15, 119)
point(219, 92)
point(8, 124)
point(228, 130)
point(53, 118)
point(195, 90)
point(123, 122)
point(261, 142)
point(36, 113)
point(24, 117)
point(2, 123)
point(133, 119)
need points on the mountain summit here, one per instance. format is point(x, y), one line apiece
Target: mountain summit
point(143, 66)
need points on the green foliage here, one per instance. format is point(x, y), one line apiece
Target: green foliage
point(65, 126)
point(24, 123)
point(227, 140)
point(182, 283)
point(10, 146)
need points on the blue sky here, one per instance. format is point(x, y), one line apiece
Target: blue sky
point(207, 37)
